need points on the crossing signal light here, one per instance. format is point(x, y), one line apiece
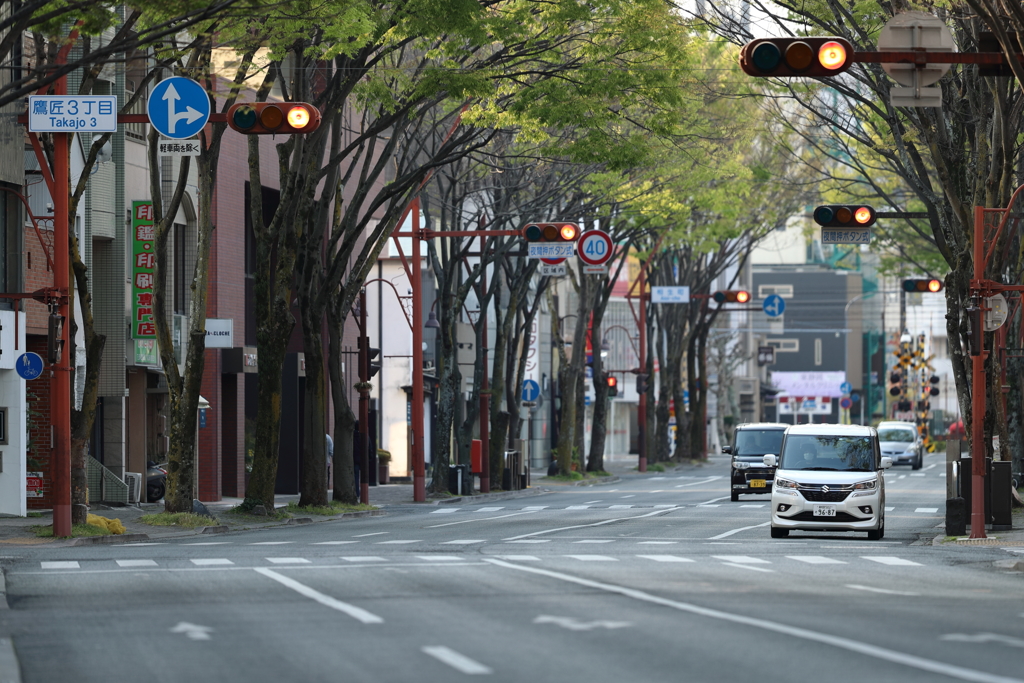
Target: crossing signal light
point(732, 296)
point(922, 285)
point(844, 216)
point(814, 57)
point(550, 232)
point(613, 386)
point(641, 382)
point(274, 118)
point(54, 338)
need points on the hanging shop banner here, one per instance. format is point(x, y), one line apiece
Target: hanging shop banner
point(143, 263)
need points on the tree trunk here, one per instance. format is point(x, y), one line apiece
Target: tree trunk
point(344, 419)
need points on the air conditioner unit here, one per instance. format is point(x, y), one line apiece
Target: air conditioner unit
point(134, 481)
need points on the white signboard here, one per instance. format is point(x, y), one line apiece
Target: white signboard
point(72, 114)
point(220, 333)
point(809, 383)
point(670, 295)
point(552, 250)
point(178, 148)
point(804, 405)
point(547, 270)
point(846, 236)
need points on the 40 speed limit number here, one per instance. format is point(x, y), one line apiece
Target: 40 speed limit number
point(595, 247)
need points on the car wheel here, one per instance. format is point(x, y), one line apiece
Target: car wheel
point(876, 534)
point(734, 496)
point(154, 492)
point(779, 533)
point(918, 462)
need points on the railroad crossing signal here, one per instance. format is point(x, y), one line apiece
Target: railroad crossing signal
point(273, 118)
point(813, 57)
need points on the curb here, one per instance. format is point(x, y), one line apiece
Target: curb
point(113, 538)
point(484, 497)
point(3, 593)
point(601, 481)
point(10, 670)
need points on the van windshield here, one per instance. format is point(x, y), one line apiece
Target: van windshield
point(828, 453)
point(758, 441)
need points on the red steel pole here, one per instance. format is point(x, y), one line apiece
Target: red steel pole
point(978, 391)
point(60, 378)
point(642, 406)
point(485, 403)
point(364, 402)
point(419, 481)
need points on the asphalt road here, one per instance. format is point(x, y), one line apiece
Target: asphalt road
point(654, 578)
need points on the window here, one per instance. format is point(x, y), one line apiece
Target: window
point(817, 351)
point(785, 345)
point(136, 70)
point(765, 291)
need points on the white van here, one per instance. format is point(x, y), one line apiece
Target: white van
point(829, 478)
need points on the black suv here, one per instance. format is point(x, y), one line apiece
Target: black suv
point(752, 442)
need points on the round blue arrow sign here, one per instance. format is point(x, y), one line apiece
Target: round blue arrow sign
point(29, 365)
point(531, 390)
point(774, 305)
point(178, 107)
point(846, 387)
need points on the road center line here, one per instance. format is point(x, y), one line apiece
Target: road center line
point(325, 600)
point(786, 630)
point(456, 660)
point(713, 500)
point(482, 519)
point(736, 531)
point(872, 589)
point(698, 483)
point(583, 526)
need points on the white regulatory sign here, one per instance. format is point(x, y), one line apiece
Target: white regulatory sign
point(551, 250)
point(72, 114)
point(595, 247)
point(178, 148)
point(846, 236)
point(547, 270)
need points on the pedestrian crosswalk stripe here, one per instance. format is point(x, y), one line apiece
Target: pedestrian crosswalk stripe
point(665, 558)
point(892, 561)
point(444, 510)
point(926, 510)
point(519, 558)
point(271, 543)
point(578, 507)
point(620, 507)
point(531, 540)
point(889, 508)
point(136, 563)
point(72, 564)
point(593, 558)
point(657, 542)
point(815, 559)
point(363, 558)
point(442, 558)
point(490, 509)
point(536, 507)
point(594, 540)
point(394, 542)
point(740, 559)
point(752, 506)
point(918, 474)
point(335, 542)
point(288, 560)
point(464, 541)
point(211, 562)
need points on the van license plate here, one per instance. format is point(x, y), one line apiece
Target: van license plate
point(824, 510)
point(757, 483)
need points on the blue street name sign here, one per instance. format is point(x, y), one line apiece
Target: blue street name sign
point(29, 365)
point(71, 114)
point(774, 305)
point(178, 107)
point(531, 390)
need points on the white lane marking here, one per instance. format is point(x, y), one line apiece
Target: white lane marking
point(620, 507)
point(394, 542)
point(665, 558)
point(698, 483)
point(629, 496)
point(363, 558)
point(736, 531)
point(465, 541)
point(891, 561)
point(752, 506)
point(375, 533)
point(536, 507)
point(573, 625)
point(455, 660)
point(71, 564)
point(931, 466)
point(926, 510)
point(657, 542)
point(815, 559)
point(583, 526)
point(211, 543)
point(444, 511)
point(741, 559)
point(578, 507)
point(271, 543)
point(491, 509)
point(747, 566)
point(983, 638)
point(657, 478)
point(786, 630)
point(532, 540)
point(193, 631)
point(440, 558)
point(519, 558)
point(593, 558)
point(211, 562)
point(136, 563)
point(590, 502)
point(357, 613)
point(595, 540)
point(664, 505)
point(889, 508)
point(873, 589)
point(902, 476)
point(942, 474)
point(705, 505)
point(713, 500)
point(918, 474)
point(485, 519)
point(334, 542)
point(287, 560)
point(135, 545)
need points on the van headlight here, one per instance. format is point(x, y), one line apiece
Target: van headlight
point(740, 465)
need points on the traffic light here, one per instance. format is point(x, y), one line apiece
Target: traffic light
point(613, 386)
point(843, 216)
point(272, 118)
point(372, 363)
point(922, 285)
point(641, 382)
point(813, 57)
point(933, 390)
point(54, 338)
point(895, 384)
point(732, 296)
point(550, 232)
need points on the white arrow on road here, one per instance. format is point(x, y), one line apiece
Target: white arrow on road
point(193, 631)
point(984, 638)
point(171, 96)
point(573, 625)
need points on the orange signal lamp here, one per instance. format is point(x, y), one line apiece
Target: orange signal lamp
point(844, 214)
point(271, 117)
point(832, 55)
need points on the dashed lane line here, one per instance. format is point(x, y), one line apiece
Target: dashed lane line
point(357, 613)
point(456, 660)
point(582, 526)
point(736, 531)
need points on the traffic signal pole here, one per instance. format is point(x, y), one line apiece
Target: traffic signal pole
point(978, 450)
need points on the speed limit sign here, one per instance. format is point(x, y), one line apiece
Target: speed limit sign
point(594, 247)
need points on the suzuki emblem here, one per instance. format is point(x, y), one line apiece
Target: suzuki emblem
point(824, 489)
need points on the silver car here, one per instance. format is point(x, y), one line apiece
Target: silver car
point(901, 442)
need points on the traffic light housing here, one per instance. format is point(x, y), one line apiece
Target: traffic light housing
point(54, 338)
point(923, 285)
point(641, 382)
point(613, 386)
point(809, 57)
point(731, 296)
point(372, 360)
point(550, 232)
point(274, 118)
point(845, 216)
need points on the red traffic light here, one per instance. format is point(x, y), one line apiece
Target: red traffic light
point(844, 216)
point(732, 296)
point(550, 232)
point(814, 57)
point(273, 118)
point(922, 285)
point(613, 386)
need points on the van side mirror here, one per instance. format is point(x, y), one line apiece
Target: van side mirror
point(727, 449)
point(769, 460)
point(886, 462)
